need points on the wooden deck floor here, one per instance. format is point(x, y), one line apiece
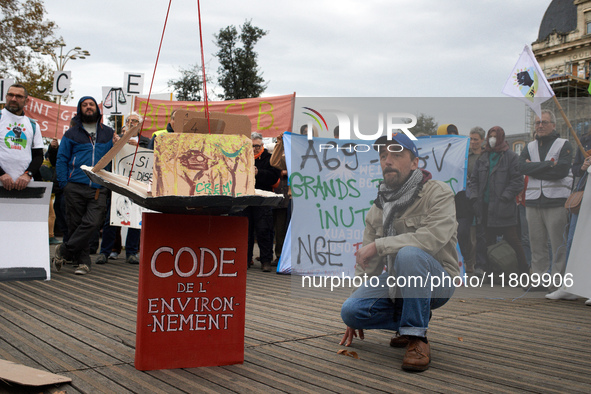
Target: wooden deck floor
point(84, 328)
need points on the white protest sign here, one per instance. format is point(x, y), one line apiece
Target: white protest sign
point(23, 225)
point(115, 102)
point(133, 83)
point(4, 85)
point(124, 212)
point(333, 189)
point(61, 83)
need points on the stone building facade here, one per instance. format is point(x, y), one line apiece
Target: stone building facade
point(563, 50)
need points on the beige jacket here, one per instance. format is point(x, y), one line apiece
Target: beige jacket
point(428, 224)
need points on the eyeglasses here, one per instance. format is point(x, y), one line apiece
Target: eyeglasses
point(543, 123)
point(134, 121)
point(16, 96)
point(256, 146)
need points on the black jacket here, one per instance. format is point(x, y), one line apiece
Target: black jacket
point(267, 175)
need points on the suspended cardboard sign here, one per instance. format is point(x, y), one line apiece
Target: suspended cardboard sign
point(195, 162)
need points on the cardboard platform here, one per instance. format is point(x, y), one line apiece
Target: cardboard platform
point(196, 205)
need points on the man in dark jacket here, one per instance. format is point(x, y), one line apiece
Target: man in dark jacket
point(494, 184)
point(260, 219)
point(547, 162)
point(83, 144)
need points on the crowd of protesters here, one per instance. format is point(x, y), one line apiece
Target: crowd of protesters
point(522, 198)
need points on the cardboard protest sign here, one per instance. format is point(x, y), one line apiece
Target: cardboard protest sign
point(192, 290)
point(202, 164)
point(333, 189)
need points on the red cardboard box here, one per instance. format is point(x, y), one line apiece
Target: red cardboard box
point(192, 290)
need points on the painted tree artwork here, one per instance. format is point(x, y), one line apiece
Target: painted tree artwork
point(190, 164)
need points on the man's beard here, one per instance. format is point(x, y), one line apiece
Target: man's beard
point(14, 108)
point(89, 118)
point(396, 183)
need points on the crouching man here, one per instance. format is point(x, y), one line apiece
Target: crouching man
point(411, 230)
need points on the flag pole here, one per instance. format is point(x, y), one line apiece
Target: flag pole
point(570, 127)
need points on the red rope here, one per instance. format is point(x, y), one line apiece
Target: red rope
point(150, 91)
point(203, 69)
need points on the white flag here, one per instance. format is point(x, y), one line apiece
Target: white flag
point(528, 83)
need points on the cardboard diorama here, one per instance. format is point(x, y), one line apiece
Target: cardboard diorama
point(194, 171)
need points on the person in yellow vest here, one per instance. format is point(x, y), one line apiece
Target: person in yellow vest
point(547, 162)
point(169, 129)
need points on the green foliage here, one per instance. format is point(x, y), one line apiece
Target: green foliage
point(189, 87)
point(238, 71)
point(22, 26)
point(425, 125)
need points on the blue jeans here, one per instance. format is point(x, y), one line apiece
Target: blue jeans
point(370, 307)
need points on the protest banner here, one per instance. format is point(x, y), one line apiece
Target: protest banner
point(269, 116)
point(333, 189)
point(47, 113)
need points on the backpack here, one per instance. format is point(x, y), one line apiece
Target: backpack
point(502, 258)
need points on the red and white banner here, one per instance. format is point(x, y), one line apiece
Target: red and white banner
point(46, 115)
point(269, 116)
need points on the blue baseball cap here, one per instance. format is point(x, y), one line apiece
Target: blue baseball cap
point(400, 139)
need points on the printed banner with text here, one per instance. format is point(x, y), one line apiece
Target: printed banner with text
point(46, 114)
point(333, 184)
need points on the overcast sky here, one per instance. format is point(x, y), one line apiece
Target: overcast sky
point(321, 48)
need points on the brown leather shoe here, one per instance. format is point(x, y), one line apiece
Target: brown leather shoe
point(418, 356)
point(399, 340)
point(266, 267)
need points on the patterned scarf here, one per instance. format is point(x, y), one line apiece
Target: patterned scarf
point(394, 201)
